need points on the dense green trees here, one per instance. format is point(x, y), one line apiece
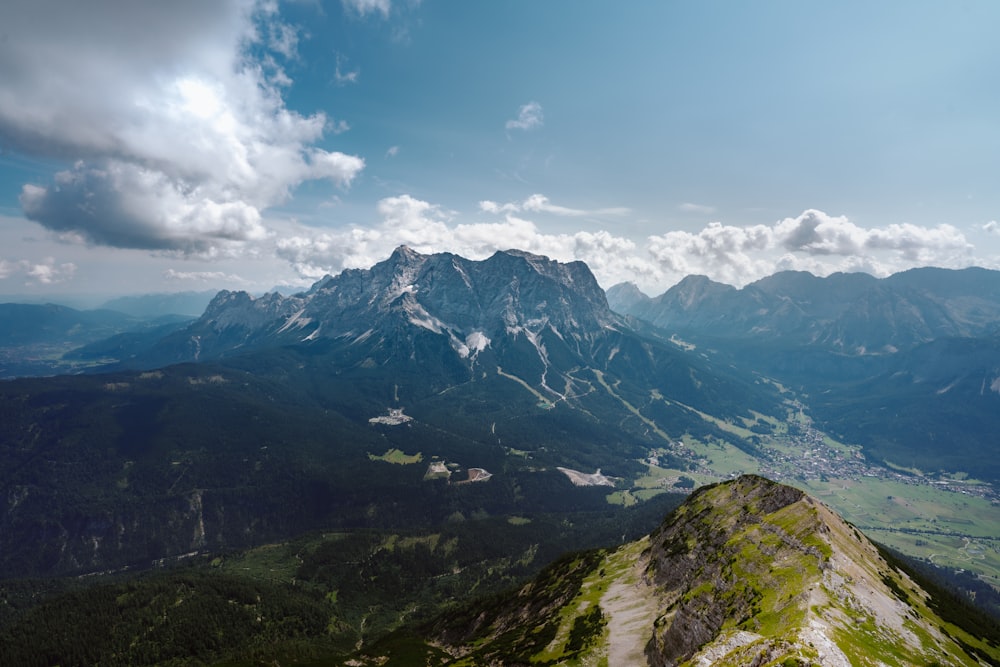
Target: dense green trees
point(169, 618)
point(318, 595)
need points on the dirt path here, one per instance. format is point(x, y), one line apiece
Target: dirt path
point(631, 609)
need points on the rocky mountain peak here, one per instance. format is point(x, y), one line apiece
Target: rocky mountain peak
point(693, 291)
point(509, 294)
point(405, 254)
point(625, 296)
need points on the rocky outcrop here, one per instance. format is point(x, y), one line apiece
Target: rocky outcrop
point(713, 578)
point(746, 572)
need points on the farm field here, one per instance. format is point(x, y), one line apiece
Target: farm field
point(947, 528)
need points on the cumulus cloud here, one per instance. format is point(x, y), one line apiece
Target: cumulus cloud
point(992, 227)
point(529, 117)
point(428, 228)
point(725, 252)
point(813, 241)
point(127, 206)
point(45, 272)
point(734, 254)
point(182, 134)
point(392, 151)
point(816, 233)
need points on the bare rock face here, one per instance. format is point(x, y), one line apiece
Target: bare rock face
point(698, 560)
point(626, 298)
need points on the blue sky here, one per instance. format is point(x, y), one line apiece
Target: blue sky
point(246, 144)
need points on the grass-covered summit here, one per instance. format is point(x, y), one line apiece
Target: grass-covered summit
point(746, 572)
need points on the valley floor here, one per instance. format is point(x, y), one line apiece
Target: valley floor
point(951, 521)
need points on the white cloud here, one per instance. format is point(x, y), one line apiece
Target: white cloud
point(537, 203)
point(688, 207)
point(283, 39)
point(724, 252)
point(816, 233)
point(428, 228)
point(734, 254)
point(342, 76)
point(529, 116)
point(813, 241)
point(488, 206)
point(365, 7)
point(916, 243)
point(393, 151)
point(542, 204)
point(992, 227)
point(127, 206)
point(44, 272)
point(213, 277)
point(182, 144)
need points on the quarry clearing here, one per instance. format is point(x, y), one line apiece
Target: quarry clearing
point(583, 479)
point(394, 417)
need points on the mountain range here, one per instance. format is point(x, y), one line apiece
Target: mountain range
point(510, 295)
point(41, 339)
point(432, 391)
point(299, 406)
point(849, 313)
point(908, 366)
